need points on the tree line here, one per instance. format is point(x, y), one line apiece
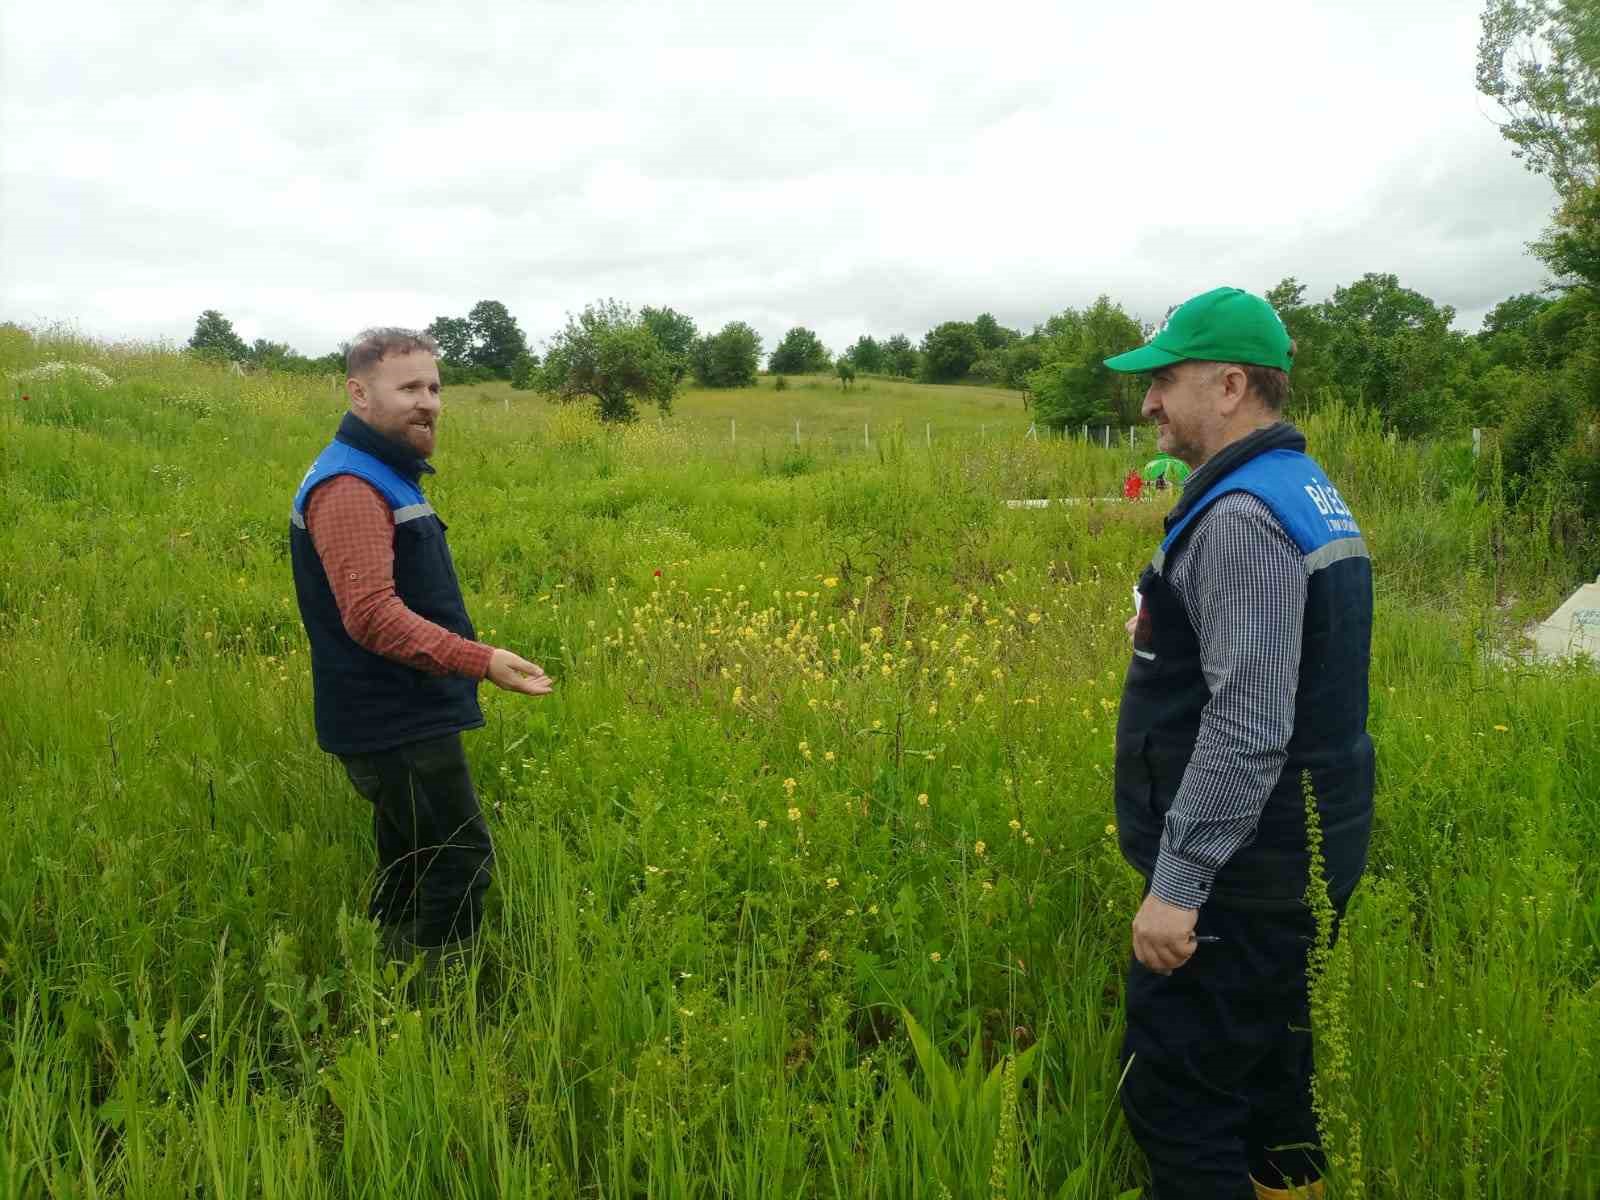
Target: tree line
point(1532, 371)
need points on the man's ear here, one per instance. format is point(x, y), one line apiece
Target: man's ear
point(1235, 386)
point(356, 390)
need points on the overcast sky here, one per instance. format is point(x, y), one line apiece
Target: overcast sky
point(855, 167)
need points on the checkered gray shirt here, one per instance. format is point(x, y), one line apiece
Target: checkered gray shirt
point(1243, 582)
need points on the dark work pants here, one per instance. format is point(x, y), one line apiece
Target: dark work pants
point(1220, 1084)
point(434, 852)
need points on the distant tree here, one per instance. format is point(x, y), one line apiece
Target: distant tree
point(865, 354)
point(497, 340)
point(1020, 357)
point(1305, 325)
point(900, 357)
point(1072, 385)
point(214, 337)
point(1064, 395)
point(454, 335)
point(1514, 315)
point(1392, 348)
point(608, 354)
point(800, 353)
point(985, 368)
point(992, 334)
point(525, 372)
point(674, 331)
point(847, 373)
point(949, 350)
point(729, 358)
point(270, 356)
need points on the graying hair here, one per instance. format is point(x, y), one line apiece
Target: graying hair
point(372, 346)
point(1270, 385)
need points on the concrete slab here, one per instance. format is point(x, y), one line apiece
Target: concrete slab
point(1574, 628)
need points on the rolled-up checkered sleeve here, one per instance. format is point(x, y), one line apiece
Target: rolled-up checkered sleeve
point(1243, 581)
point(353, 531)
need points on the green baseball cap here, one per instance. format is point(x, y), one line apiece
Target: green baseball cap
point(1223, 325)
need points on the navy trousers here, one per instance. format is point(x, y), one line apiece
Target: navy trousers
point(1219, 1087)
point(434, 850)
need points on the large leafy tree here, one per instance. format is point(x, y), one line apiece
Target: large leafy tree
point(497, 340)
point(1540, 61)
point(900, 357)
point(992, 334)
point(1392, 349)
point(801, 352)
point(454, 335)
point(1072, 385)
point(949, 350)
point(674, 331)
point(607, 354)
point(214, 337)
point(730, 357)
point(865, 354)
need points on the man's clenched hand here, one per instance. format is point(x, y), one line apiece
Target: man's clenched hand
point(1163, 934)
point(514, 673)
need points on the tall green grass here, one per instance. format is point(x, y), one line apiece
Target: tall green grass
point(805, 884)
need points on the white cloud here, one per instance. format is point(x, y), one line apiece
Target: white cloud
point(311, 169)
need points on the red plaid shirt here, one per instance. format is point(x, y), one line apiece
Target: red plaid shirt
point(353, 530)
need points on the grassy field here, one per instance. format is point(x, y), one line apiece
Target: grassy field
point(805, 879)
point(830, 418)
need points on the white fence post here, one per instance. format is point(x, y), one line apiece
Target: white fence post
point(797, 431)
point(927, 431)
point(1108, 437)
point(733, 432)
point(1477, 441)
point(866, 434)
point(1086, 432)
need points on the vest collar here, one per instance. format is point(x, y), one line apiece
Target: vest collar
point(1278, 436)
point(353, 431)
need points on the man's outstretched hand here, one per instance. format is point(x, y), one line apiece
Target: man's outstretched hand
point(1163, 934)
point(514, 673)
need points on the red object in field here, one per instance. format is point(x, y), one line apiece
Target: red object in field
point(658, 572)
point(1132, 486)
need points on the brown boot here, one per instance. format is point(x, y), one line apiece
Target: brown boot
point(1306, 1191)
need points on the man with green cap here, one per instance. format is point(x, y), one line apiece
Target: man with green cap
point(1246, 693)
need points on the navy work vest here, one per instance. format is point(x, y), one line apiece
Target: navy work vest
point(1166, 689)
point(363, 701)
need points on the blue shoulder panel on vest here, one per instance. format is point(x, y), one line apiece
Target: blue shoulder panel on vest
point(340, 459)
point(1294, 487)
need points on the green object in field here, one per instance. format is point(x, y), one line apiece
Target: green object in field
point(1164, 466)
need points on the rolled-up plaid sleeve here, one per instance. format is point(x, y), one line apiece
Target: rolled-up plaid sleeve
point(353, 531)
